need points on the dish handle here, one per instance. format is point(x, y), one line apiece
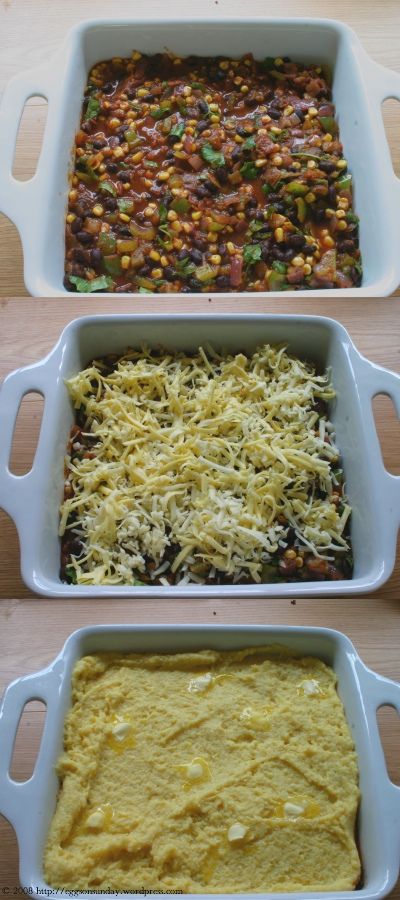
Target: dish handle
point(16, 196)
point(15, 489)
point(14, 794)
point(375, 380)
point(384, 84)
point(379, 691)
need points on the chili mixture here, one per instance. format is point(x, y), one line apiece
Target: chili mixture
point(209, 174)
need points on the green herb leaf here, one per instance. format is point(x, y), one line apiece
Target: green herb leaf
point(268, 189)
point(112, 265)
point(180, 205)
point(177, 130)
point(143, 290)
point(70, 574)
point(249, 170)
point(125, 205)
point(136, 581)
point(163, 212)
point(214, 157)
point(329, 124)
point(249, 143)
point(160, 112)
point(108, 188)
point(132, 138)
point(256, 226)
point(251, 254)
point(92, 109)
point(185, 267)
point(269, 62)
point(84, 286)
point(198, 86)
point(351, 217)
point(279, 267)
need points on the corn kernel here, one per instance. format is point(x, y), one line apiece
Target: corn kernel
point(278, 61)
point(277, 160)
point(137, 156)
point(224, 64)
point(244, 89)
point(299, 562)
point(176, 226)
point(213, 248)
point(214, 119)
point(164, 260)
point(340, 214)
point(211, 237)
point(118, 153)
point(172, 215)
point(163, 176)
point(196, 216)
point(312, 112)
point(141, 92)
point(156, 273)
point(310, 197)
point(123, 217)
point(177, 243)
point(343, 203)
point(311, 164)
point(327, 139)
point(136, 55)
point(215, 259)
point(307, 269)
point(328, 242)
point(238, 80)
point(290, 554)
point(329, 213)
point(154, 254)
point(238, 139)
point(278, 234)
point(230, 248)
point(114, 122)
point(341, 164)
point(275, 130)
point(259, 163)
point(240, 215)
point(70, 217)
point(98, 210)
point(177, 61)
point(187, 227)
point(297, 261)
point(342, 225)
point(125, 262)
point(288, 110)
point(73, 195)
point(126, 185)
point(187, 90)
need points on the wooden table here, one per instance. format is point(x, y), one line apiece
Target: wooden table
point(32, 630)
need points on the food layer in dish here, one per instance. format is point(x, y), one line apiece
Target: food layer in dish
point(205, 174)
point(205, 772)
point(203, 468)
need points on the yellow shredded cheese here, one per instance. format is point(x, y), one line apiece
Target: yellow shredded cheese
point(202, 462)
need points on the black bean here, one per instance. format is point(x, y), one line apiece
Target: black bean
point(326, 165)
point(211, 187)
point(299, 113)
point(123, 231)
point(196, 256)
point(201, 190)
point(203, 106)
point(222, 249)
point(99, 143)
point(318, 214)
point(277, 253)
point(286, 59)
point(108, 88)
point(200, 243)
point(252, 203)
point(124, 175)
point(280, 208)
point(140, 217)
point(96, 258)
point(76, 225)
point(221, 174)
point(81, 256)
point(347, 246)
point(202, 125)
point(182, 254)
point(110, 204)
point(332, 194)
point(296, 241)
point(265, 250)
point(236, 154)
point(148, 98)
point(122, 129)
point(259, 215)
point(222, 281)
point(242, 131)
point(194, 285)
point(274, 113)
point(83, 210)
point(112, 167)
point(169, 154)
point(169, 273)
point(84, 237)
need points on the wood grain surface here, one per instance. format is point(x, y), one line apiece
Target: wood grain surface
point(32, 629)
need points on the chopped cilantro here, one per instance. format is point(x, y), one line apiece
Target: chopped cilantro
point(251, 254)
point(92, 109)
point(177, 130)
point(214, 157)
point(84, 286)
point(108, 187)
point(160, 112)
point(249, 143)
point(249, 170)
point(143, 290)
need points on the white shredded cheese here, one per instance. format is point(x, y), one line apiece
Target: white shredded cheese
point(206, 453)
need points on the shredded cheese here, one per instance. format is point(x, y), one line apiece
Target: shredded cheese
point(202, 460)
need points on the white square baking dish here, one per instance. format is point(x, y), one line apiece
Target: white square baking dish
point(29, 806)
point(33, 500)
point(359, 88)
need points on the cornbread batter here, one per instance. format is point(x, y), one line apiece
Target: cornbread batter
point(205, 772)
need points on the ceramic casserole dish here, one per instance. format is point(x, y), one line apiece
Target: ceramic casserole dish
point(33, 500)
point(359, 88)
point(29, 806)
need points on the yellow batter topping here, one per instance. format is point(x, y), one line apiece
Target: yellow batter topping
point(213, 772)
